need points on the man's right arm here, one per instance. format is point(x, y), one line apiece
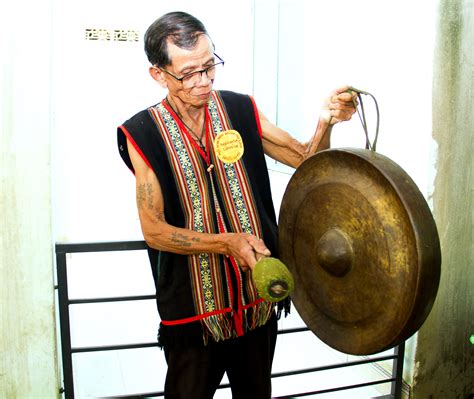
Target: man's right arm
point(281, 146)
point(159, 234)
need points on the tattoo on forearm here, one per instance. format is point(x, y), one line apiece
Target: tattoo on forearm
point(149, 191)
point(145, 194)
point(159, 216)
point(140, 195)
point(183, 240)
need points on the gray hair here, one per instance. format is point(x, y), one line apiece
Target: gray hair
point(182, 29)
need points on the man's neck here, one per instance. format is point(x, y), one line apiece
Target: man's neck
point(187, 112)
point(193, 118)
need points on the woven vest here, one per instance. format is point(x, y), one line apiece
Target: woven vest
point(206, 296)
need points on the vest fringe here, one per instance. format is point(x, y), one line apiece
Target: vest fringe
point(257, 315)
point(219, 327)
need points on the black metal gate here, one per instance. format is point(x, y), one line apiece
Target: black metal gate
point(67, 350)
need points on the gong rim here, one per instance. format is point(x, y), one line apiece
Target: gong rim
point(379, 308)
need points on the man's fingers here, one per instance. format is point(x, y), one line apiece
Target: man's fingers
point(342, 106)
point(347, 97)
point(343, 97)
point(245, 268)
point(258, 245)
point(341, 89)
point(250, 260)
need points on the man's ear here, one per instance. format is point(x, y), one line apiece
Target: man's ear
point(157, 74)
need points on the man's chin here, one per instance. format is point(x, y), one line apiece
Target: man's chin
point(203, 96)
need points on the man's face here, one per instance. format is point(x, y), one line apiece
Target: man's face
point(184, 62)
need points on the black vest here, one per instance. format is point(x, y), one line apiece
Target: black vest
point(171, 271)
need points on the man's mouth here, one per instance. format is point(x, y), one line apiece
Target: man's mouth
point(203, 95)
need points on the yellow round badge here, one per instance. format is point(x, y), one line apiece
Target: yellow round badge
point(229, 146)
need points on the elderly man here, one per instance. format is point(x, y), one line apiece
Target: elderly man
point(205, 207)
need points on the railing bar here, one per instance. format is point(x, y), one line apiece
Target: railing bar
point(65, 325)
point(293, 330)
point(83, 349)
point(365, 384)
point(281, 374)
point(101, 246)
point(223, 386)
point(274, 375)
point(79, 301)
point(135, 395)
point(331, 366)
point(397, 371)
point(381, 358)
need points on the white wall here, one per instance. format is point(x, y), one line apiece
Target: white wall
point(27, 329)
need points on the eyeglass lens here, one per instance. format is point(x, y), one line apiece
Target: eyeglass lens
point(194, 78)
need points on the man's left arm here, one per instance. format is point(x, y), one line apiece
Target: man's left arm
point(281, 146)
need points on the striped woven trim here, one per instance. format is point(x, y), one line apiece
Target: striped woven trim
point(190, 178)
point(189, 171)
point(239, 202)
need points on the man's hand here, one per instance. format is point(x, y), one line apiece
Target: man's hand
point(246, 249)
point(339, 106)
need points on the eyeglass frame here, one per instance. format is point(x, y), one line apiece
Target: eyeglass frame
point(205, 70)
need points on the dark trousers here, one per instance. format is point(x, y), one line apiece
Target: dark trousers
point(195, 373)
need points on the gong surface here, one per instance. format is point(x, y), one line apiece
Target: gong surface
point(363, 248)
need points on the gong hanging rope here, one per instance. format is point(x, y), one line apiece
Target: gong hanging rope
point(361, 113)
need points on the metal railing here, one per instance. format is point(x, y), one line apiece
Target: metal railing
point(67, 350)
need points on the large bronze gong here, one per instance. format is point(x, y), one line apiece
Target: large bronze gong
point(363, 248)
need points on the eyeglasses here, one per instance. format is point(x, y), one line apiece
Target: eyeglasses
point(192, 79)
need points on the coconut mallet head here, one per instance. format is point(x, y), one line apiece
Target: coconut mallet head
point(272, 278)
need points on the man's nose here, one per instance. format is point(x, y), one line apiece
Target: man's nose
point(204, 80)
